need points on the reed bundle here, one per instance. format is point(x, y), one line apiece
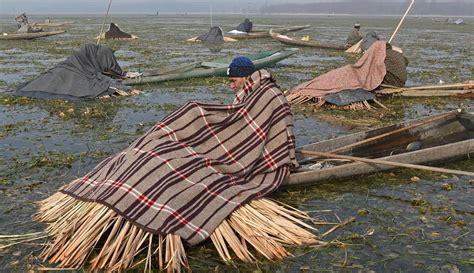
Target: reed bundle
point(77, 228)
point(122, 93)
point(318, 102)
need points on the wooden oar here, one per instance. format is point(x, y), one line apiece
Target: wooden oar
point(393, 89)
point(435, 93)
point(401, 21)
point(103, 22)
point(389, 163)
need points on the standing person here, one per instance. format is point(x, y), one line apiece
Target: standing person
point(24, 26)
point(354, 36)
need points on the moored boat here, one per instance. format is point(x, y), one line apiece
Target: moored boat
point(28, 36)
point(299, 42)
point(431, 139)
point(216, 67)
point(263, 33)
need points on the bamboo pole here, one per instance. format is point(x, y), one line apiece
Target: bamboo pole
point(371, 139)
point(389, 163)
point(103, 22)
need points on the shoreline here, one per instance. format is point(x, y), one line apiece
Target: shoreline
point(245, 15)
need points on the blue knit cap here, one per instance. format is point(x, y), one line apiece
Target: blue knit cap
point(240, 67)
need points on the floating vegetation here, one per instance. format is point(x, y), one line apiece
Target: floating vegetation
point(422, 225)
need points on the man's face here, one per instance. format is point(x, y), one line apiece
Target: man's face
point(237, 83)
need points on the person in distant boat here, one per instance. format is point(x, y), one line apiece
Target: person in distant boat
point(245, 26)
point(24, 26)
point(354, 36)
point(114, 32)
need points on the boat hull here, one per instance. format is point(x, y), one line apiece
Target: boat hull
point(445, 139)
point(264, 34)
point(212, 68)
point(29, 36)
point(298, 42)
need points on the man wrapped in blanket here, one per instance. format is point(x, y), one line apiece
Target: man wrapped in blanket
point(185, 179)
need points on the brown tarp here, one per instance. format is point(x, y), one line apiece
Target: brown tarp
point(367, 74)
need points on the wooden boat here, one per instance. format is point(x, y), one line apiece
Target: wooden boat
point(299, 42)
point(216, 67)
point(442, 137)
point(226, 39)
point(264, 33)
point(28, 36)
point(52, 24)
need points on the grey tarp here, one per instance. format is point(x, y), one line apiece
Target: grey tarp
point(369, 39)
point(79, 76)
point(346, 97)
point(213, 36)
point(245, 26)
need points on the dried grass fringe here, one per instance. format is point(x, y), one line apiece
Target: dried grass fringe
point(318, 102)
point(75, 228)
point(122, 93)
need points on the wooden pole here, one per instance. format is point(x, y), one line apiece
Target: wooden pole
point(389, 163)
point(103, 22)
point(371, 139)
point(401, 21)
point(210, 11)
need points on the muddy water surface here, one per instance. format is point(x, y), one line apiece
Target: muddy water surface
point(405, 221)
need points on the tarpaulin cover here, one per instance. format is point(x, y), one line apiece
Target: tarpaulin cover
point(80, 76)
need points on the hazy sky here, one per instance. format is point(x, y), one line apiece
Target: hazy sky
point(148, 6)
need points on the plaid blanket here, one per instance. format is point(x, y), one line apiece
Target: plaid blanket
point(201, 162)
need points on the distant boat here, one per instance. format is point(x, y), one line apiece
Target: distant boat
point(29, 36)
point(309, 43)
point(52, 24)
point(255, 34)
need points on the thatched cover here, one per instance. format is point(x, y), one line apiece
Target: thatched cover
point(115, 32)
